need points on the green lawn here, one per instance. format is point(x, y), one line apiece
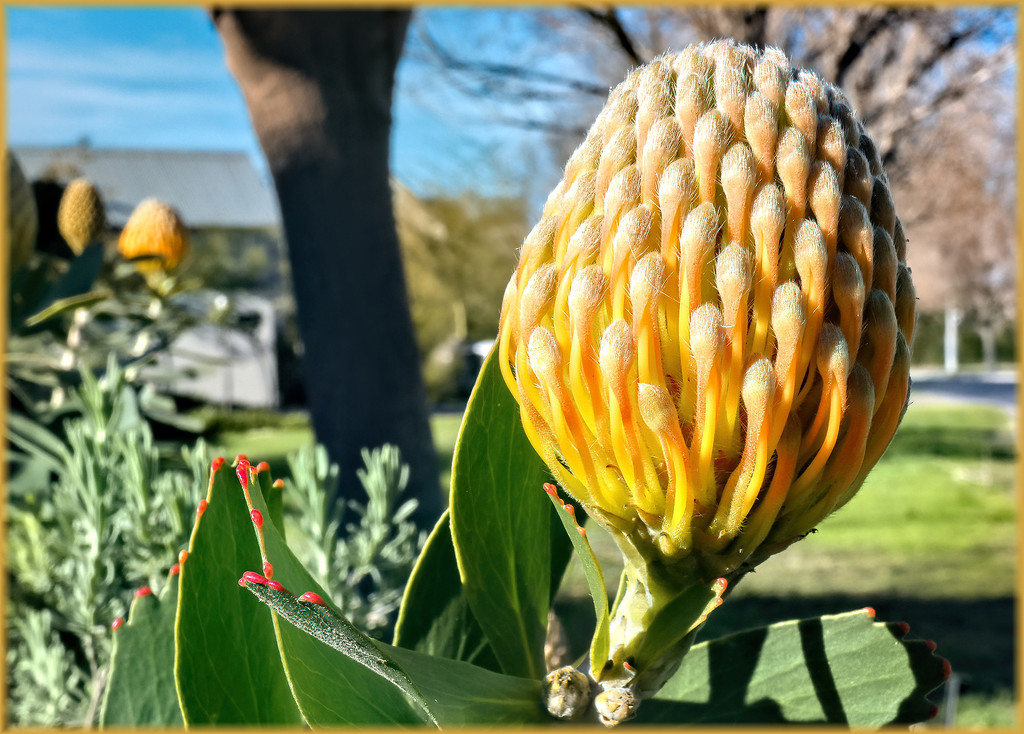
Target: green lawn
point(930, 540)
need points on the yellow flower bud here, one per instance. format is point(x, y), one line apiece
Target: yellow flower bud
point(155, 236)
point(708, 332)
point(80, 216)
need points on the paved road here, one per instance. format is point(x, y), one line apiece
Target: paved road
point(989, 388)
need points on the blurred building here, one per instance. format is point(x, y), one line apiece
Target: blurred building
point(237, 248)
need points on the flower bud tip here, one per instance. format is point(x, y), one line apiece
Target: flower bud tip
point(252, 577)
point(242, 472)
point(313, 598)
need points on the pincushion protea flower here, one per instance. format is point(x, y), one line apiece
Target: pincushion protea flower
point(707, 332)
point(80, 216)
point(155, 237)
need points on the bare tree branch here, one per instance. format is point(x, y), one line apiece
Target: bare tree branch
point(610, 20)
point(486, 68)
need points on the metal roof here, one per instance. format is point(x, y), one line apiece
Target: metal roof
point(208, 188)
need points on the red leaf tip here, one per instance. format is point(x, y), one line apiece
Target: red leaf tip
point(313, 598)
point(216, 463)
point(930, 644)
point(175, 569)
point(201, 508)
point(278, 484)
point(116, 624)
point(947, 669)
point(253, 578)
point(268, 570)
point(904, 627)
point(869, 612)
point(257, 518)
point(276, 586)
point(262, 466)
point(182, 555)
point(143, 591)
point(242, 472)
point(551, 489)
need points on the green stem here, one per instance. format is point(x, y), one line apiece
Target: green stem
point(661, 605)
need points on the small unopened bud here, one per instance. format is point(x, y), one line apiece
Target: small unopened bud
point(654, 100)
point(545, 359)
point(870, 151)
point(661, 148)
point(848, 292)
point(879, 342)
point(825, 199)
point(706, 336)
point(858, 181)
point(832, 145)
point(617, 352)
point(733, 278)
point(802, 110)
point(906, 303)
point(617, 154)
point(691, 104)
point(738, 178)
point(857, 235)
point(623, 195)
point(794, 165)
point(586, 294)
point(537, 296)
point(899, 241)
point(760, 119)
point(657, 408)
point(538, 248)
point(883, 211)
point(697, 246)
point(771, 81)
point(884, 263)
point(710, 140)
point(566, 692)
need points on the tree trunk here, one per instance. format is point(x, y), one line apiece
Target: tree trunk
point(318, 85)
point(987, 333)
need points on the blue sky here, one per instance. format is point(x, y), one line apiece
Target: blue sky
point(123, 77)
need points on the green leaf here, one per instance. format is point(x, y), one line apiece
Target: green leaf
point(140, 690)
point(435, 617)
point(840, 669)
point(64, 305)
point(358, 684)
point(457, 693)
point(77, 279)
point(501, 525)
point(464, 694)
point(593, 574)
point(228, 667)
point(37, 441)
